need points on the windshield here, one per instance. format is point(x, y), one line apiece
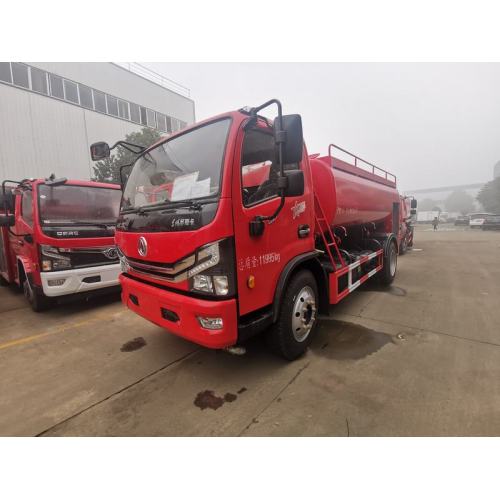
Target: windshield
point(72, 204)
point(184, 168)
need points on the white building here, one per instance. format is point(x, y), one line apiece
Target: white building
point(51, 112)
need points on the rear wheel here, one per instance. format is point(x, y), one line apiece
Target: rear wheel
point(388, 272)
point(36, 298)
point(292, 334)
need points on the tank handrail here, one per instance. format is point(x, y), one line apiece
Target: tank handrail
point(375, 169)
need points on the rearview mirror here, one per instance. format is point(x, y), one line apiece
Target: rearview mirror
point(7, 220)
point(292, 148)
point(413, 203)
point(295, 183)
point(99, 151)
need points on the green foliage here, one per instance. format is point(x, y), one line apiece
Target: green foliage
point(108, 170)
point(459, 201)
point(489, 196)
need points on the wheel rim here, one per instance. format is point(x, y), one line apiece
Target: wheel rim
point(304, 314)
point(392, 260)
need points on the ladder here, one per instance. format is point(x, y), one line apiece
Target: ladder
point(326, 234)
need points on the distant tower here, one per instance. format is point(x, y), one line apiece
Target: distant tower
point(496, 170)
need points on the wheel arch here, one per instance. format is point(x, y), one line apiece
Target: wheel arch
point(310, 262)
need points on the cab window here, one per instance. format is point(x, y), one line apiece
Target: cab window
point(259, 168)
point(27, 207)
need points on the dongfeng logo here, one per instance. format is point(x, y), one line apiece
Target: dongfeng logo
point(111, 253)
point(142, 246)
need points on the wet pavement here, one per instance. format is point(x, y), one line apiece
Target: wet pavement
point(420, 358)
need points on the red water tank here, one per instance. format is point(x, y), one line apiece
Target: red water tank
point(350, 195)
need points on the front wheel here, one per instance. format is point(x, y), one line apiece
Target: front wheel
point(388, 271)
point(36, 298)
point(292, 334)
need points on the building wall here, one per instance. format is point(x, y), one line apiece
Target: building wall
point(40, 135)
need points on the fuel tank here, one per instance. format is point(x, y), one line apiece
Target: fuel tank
point(350, 195)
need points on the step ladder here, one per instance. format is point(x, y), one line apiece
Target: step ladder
point(327, 235)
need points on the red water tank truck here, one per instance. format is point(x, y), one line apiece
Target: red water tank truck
point(229, 228)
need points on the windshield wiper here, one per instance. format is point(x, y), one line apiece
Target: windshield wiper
point(192, 204)
point(104, 225)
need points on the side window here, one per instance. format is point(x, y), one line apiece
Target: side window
point(259, 168)
point(27, 207)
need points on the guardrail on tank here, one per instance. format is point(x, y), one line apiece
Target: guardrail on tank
point(380, 172)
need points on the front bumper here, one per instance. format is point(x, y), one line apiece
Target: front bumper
point(80, 280)
point(152, 303)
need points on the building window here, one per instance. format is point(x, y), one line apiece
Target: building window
point(135, 114)
point(123, 109)
point(151, 118)
point(99, 101)
point(86, 96)
point(182, 125)
point(112, 105)
point(162, 122)
point(56, 87)
point(5, 74)
point(20, 75)
point(169, 124)
point(71, 91)
point(175, 125)
point(144, 120)
point(39, 81)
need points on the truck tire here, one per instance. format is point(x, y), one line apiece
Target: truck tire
point(37, 299)
point(388, 272)
point(293, 332)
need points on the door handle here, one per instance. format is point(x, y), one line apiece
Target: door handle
point(304, 230)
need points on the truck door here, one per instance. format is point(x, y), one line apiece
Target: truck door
point(21, 246)
point(261, 259)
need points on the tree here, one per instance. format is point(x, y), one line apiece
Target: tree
point(108, 170)
point(489, 196)
point(427, 204)
point(459, 201)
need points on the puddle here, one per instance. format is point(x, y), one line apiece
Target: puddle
point(349, 341)
point(133, 345)
point(208, 399)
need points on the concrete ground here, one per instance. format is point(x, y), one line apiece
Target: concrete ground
point(422, 358)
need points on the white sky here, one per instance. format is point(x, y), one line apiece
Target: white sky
point(431, 124)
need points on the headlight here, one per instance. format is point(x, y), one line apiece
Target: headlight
point(52, 260)
point(203, 283)
point(213, 272)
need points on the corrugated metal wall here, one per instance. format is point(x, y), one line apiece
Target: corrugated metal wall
point(40, 135)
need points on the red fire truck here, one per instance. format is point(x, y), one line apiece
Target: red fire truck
point(228, 228)
point(57, 237)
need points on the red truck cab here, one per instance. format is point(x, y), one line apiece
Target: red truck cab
point(57, 237)
point(238, 243)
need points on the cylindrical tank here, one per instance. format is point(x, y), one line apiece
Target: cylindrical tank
point(350, 196)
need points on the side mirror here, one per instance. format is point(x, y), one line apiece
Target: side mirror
point(99, 151)
point(7, 220)
point(294, 141)
point(413, 203)
point(295, 183)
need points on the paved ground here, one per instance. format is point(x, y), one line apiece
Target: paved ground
point(420, 359)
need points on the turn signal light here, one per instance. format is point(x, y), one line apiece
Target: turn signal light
point(251, 281)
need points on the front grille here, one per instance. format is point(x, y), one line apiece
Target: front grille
point(169, 272)
point(88, 257)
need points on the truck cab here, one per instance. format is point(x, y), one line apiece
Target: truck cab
point(57, 238)
point(220, 237)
